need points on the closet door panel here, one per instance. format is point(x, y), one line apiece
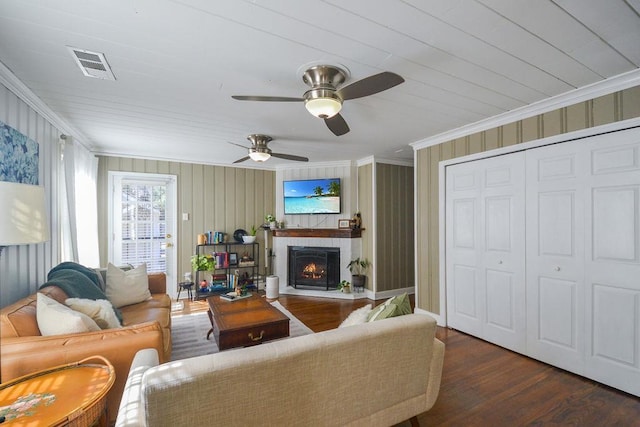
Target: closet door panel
point(613, 261)
point(462, 250)
point(555, 255)
point(485, 249)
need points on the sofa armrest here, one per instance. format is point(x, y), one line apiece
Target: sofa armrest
point(22, 355)
point(158, 283)
point(435, 372)
point(131, 410)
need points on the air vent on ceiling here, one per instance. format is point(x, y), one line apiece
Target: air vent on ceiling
point(92, 64)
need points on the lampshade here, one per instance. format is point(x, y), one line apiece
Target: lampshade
point(258, 156)
point(323, 107)
point(24, 216)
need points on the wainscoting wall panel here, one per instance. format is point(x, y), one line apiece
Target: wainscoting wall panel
point(24, 268)
point(217, 198)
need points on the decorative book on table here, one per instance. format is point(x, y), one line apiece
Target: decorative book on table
point(231, 296)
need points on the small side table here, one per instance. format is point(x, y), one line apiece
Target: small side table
point(70, 395)
point(188, 286)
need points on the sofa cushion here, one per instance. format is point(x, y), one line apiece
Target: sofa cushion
point(57, 319)
point(101, 311)
point(127, 287)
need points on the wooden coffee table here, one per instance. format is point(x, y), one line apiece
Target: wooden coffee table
point(245, 322)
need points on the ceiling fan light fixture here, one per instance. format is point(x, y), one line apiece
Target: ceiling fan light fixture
point(322, 103)
point(257, 156)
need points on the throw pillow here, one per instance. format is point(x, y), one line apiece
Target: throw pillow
point(101, 311)
point(403, 303)
point(58, 319)
point(383, 311)
point(357, 316)
point(127, 287)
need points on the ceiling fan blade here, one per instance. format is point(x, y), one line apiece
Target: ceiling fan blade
point(238, 145)
point(267, 98)
point(242, 159)
point(290, 157)
point(337, 125)
point(370, 85)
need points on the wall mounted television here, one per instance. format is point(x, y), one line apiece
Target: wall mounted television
point(312, 196)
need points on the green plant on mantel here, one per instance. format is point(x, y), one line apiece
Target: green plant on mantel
point(203, 262)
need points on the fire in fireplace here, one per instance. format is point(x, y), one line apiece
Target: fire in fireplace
point(314, 266)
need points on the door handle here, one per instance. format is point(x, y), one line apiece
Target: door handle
point(169, 236)
point(169, 245)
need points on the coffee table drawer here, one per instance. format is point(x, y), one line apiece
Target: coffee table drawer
point(251, 335)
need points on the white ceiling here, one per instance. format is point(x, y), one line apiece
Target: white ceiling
point(177, 63)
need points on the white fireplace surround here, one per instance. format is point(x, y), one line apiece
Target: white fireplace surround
point(350, 248)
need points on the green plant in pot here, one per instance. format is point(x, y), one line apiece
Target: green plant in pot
point(358, 268)
point(203, 262)
point(252, 235)
point(344, 286)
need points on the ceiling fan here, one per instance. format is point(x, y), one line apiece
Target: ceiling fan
point(324, 99)
point(260, 152)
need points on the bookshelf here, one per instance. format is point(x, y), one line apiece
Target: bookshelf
point(244, 257)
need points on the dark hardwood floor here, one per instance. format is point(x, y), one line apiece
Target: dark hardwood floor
point(486, 385)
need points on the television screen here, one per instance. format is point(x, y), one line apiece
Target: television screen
point(312, 196)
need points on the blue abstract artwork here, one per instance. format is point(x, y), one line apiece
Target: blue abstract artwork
point(19, 156)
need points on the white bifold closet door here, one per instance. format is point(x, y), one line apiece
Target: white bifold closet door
point(485, 249)
point(570, 295)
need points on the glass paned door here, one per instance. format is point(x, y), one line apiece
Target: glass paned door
point(144, 227)
point(143, 216)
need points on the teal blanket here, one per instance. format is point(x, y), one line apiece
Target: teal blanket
point(76, 283)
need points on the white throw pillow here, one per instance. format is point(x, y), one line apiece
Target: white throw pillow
point(357, 317)
point(127, 287)
point(58, 319)
point(101, 311)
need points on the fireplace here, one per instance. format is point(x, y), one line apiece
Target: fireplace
point(316, 267)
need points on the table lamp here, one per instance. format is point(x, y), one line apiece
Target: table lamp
point(23, 219)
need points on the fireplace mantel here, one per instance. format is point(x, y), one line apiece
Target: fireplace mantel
point(341, 233)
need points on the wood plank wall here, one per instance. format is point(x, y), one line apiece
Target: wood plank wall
point(599, 111)
point(394, 229)
point(24, 268)
point(216, 198)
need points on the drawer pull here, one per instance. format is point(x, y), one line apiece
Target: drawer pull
point(256, 338)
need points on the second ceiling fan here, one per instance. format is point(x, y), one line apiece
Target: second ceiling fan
point(260, 152)
point(324, 99)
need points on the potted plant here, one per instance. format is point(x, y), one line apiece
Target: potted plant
point(344, 286)
point(203, 262)
point(271, 220)
point(252, 235)
point(358, 268)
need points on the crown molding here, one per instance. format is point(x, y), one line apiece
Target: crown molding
point(575, 96)
point(8, 79)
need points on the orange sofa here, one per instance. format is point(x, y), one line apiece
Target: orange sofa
point(24, 350)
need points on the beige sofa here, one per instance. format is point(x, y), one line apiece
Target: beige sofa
point(374, 374)
point(24, 350)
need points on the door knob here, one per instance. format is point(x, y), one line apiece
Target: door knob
point(557, 268)
point(169, 236)
point(169, 245)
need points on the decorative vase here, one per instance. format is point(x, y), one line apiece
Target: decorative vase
point(346, 289)
point(273, 225)
point(248, 239)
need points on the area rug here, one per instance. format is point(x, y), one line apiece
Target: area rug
point(189, 333)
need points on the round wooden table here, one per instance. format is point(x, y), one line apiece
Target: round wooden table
point(73, 395)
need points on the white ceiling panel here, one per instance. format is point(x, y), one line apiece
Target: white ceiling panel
point(177, 64)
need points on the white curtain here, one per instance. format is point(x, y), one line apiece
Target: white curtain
point(80, 212)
